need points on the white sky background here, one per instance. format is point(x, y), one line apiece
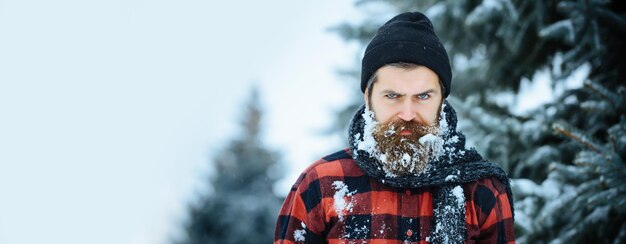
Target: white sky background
point(111, 110)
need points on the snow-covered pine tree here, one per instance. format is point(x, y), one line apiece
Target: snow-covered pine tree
point(585, 201)
point(241, 208)
point(498, 45)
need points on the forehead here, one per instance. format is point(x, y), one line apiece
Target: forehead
point(417, 79)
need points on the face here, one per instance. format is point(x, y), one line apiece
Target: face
point(405, 103)
point(408, 95)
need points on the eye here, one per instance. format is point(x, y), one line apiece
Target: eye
point(392, 95)
point(423, 96)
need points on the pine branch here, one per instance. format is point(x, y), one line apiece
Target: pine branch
point(553, 206)
point(524, 187)
point(603, 196)
point(594, 161)
point(613, 98)
point(617, 135)
point(596, 106)
point(570, 172)
point(577, 228)
point(620, 202)
point(515, 45)
point(614, 20)
point(621, 237)
point(561, 30)
point(590, 220)
point(589, 186)
point(597, 44)
point(565, 129)
point(568, 57)
point(568, 7)
point(567, 237)
point(485, 120)
point(607, 165)
point(616, 181)
point(483, 13)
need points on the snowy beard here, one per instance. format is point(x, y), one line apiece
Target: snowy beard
point(401, 155)
point(406, 154)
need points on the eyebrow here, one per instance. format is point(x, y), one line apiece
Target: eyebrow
point(392, 91)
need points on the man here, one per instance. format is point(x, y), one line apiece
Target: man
point(406, 176)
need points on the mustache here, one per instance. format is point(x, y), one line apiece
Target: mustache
point(417, 129)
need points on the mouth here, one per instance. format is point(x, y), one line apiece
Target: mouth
point(405, 132)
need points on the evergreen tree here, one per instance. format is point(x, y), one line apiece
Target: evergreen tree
point(567, 155)
point(242, 207)
point(583, 200)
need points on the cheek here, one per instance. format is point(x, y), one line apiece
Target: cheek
point(382, 113)
point(434, 113)
point(430, 114)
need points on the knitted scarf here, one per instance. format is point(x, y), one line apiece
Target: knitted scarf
point(447, 174)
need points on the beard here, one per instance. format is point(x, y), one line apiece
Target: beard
point(410, 154)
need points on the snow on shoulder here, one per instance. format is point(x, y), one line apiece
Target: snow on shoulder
point(341, 195)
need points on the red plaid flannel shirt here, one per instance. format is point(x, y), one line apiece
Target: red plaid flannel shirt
point(377, 213)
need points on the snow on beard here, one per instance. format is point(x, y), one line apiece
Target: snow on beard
point(404, 154)
point(398, 154)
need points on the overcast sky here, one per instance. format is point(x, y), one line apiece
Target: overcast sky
point(111, 110)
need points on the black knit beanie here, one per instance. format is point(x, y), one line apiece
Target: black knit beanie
point(408, 38)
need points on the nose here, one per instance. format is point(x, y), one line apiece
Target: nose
point(407, 113)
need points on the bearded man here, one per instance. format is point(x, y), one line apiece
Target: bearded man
point(407, 176)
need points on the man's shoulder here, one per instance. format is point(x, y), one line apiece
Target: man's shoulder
point(338, 163)
point(333, 166)
point(487, 195)
point(341, 154)
point(489, 185)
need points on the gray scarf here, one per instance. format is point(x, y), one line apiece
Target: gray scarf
point(446, 174)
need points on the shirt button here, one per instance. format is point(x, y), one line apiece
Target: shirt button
point(409, 233)
point(408, 192)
